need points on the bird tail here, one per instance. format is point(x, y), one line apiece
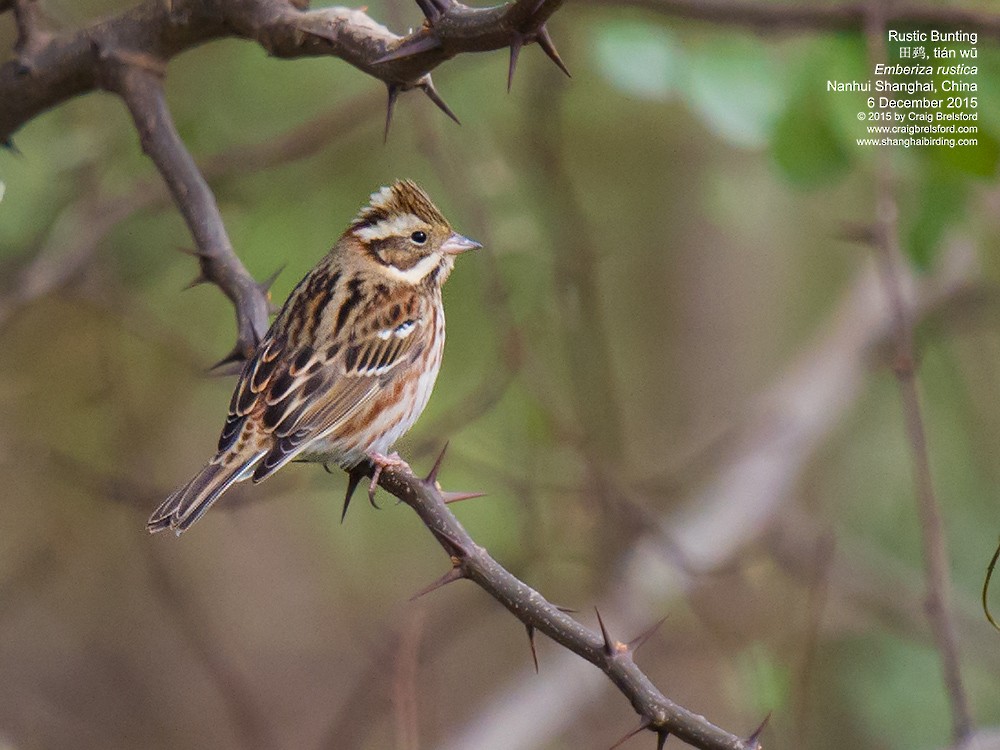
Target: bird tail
point(189, 503)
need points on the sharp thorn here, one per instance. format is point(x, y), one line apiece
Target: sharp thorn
point(452, 575)
point(753, 741)
point(640, 639)
point(429, 9)
point(566, 610)
point(427, 86)
point(393, 89)
point(265, 285)
point(410, 47)
point(434, 9)
point(661, 738)
point(531, 641)
point(544, 40)
point(609, 648)
point(457, 497)
point(327, 36)
point(236, 355)
point(457, 549)
point(353, 479)
point(646, 723)
point(190, 251)
point(198, 280)
point(432, 475)
point(515, 50)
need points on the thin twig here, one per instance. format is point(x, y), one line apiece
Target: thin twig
point(891, 264)
point(30, 36)
point(80, 230)
point(869, 589)
point(143, 93)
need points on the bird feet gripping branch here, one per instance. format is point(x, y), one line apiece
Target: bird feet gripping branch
point(380, 462)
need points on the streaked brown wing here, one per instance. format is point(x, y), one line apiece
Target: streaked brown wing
point(254, 379)
point(319, 391)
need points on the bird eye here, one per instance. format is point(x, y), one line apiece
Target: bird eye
point(419, 237)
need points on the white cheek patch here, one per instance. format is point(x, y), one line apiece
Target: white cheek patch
point(397, 226)
point(415, 273)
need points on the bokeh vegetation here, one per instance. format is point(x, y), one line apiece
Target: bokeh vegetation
point(665, 244)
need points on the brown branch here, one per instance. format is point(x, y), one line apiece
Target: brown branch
point(774, 17)
point(128, 54)
point(931, 521)
point(81, 228)
point(30, 36)
point(659, 714)
point(142, 90)
point(891, 263)
point(71, 63)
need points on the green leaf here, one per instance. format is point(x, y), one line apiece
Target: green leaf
point(805, 146)
point(940, 202)
point(736, 88)
point(980, 160)
point(638, 58)
point(813, 139)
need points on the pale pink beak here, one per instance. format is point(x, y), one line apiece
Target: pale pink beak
point(457, 244)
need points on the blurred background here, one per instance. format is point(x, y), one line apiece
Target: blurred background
point(668, 368)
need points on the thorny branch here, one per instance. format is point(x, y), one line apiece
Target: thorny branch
point(754, 484)
point(82, 227)
point(658, 713)
point(935, 552)
point(143, 93)
point(128, 53)
point(72, 63)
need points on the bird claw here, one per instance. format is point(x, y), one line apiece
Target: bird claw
point(380, 462)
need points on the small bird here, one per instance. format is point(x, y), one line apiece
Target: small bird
point(350, 361)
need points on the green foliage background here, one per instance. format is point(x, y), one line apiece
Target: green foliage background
point(664, 237)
